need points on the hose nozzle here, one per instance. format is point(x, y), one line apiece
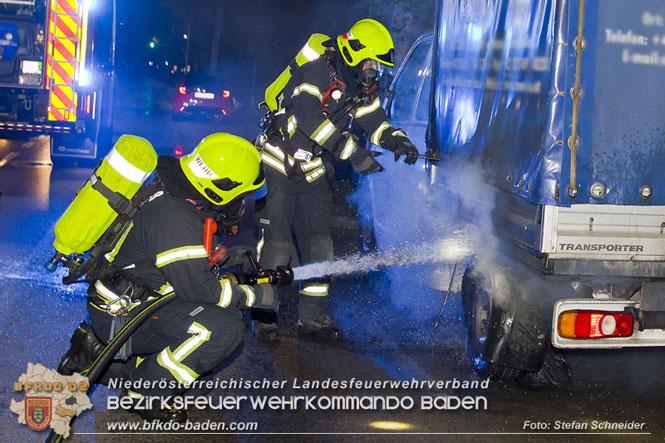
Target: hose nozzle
point(52, 264)
point(283, 275)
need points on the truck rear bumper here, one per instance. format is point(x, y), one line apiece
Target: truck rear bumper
point(29, 127)
point(25, 110)
point(640, 337)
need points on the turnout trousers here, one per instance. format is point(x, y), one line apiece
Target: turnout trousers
point(303, 210)
point(179, 343)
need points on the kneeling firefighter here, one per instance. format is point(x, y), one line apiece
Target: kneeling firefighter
point(162, 251)
point(330, 83)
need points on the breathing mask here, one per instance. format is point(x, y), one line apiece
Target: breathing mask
point(369, 73)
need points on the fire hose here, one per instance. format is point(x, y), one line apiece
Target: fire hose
point(97, 368)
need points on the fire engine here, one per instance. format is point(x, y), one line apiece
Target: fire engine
point(56, 76)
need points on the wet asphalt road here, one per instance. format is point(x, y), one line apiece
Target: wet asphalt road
point(384, 341)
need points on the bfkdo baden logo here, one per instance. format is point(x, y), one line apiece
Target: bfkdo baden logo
point(38, 412)
point(51, 399)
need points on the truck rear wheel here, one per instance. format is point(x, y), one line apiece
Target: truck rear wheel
point(508, 313)
point(481, 313)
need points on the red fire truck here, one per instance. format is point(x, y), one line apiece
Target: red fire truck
point(56, 75)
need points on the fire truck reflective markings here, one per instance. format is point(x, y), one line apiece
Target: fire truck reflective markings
point(63, 97)
point(67, 7)
point(34, 128)
point(65, 73)
point(65, 26)
point(61, 60)
point(54, 114)
point(57, 80)
point(65, 49)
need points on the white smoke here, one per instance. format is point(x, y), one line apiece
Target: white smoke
point(423, 227)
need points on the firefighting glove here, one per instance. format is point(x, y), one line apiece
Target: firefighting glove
point(346, 146)
point(363, 161)
point(236, 257)
point(409, 150)
point(230, 276)
point(400, 144)
point(266, 297)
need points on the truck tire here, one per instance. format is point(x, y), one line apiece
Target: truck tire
point(508, 314)
point(480, 311)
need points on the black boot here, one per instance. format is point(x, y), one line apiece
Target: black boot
point(85, 349)
point(265, 331)
point(264, 325)
point(322, 328)
point(156, 412)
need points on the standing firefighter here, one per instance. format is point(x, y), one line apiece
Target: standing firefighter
point(163, 251)
point(328, 84)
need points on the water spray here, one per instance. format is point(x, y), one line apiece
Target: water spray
point(449, 250)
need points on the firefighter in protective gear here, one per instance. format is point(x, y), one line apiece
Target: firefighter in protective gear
point(305, 134)
point(161, 252)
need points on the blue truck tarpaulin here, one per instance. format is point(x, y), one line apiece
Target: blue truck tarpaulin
point(504, 75)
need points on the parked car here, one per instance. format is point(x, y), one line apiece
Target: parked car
point(202, 97)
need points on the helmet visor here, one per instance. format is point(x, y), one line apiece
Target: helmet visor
point(371, 64)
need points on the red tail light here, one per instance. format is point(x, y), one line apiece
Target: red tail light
point(226, 93)
point(178, 151)
point(595, 324)
point(224, 111)
point(182, 90)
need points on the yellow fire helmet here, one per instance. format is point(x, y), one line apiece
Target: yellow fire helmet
point(223, 167)
point(367, 39)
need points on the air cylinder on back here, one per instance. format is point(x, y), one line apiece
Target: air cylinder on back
point(312, 50)
point(124, 169)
